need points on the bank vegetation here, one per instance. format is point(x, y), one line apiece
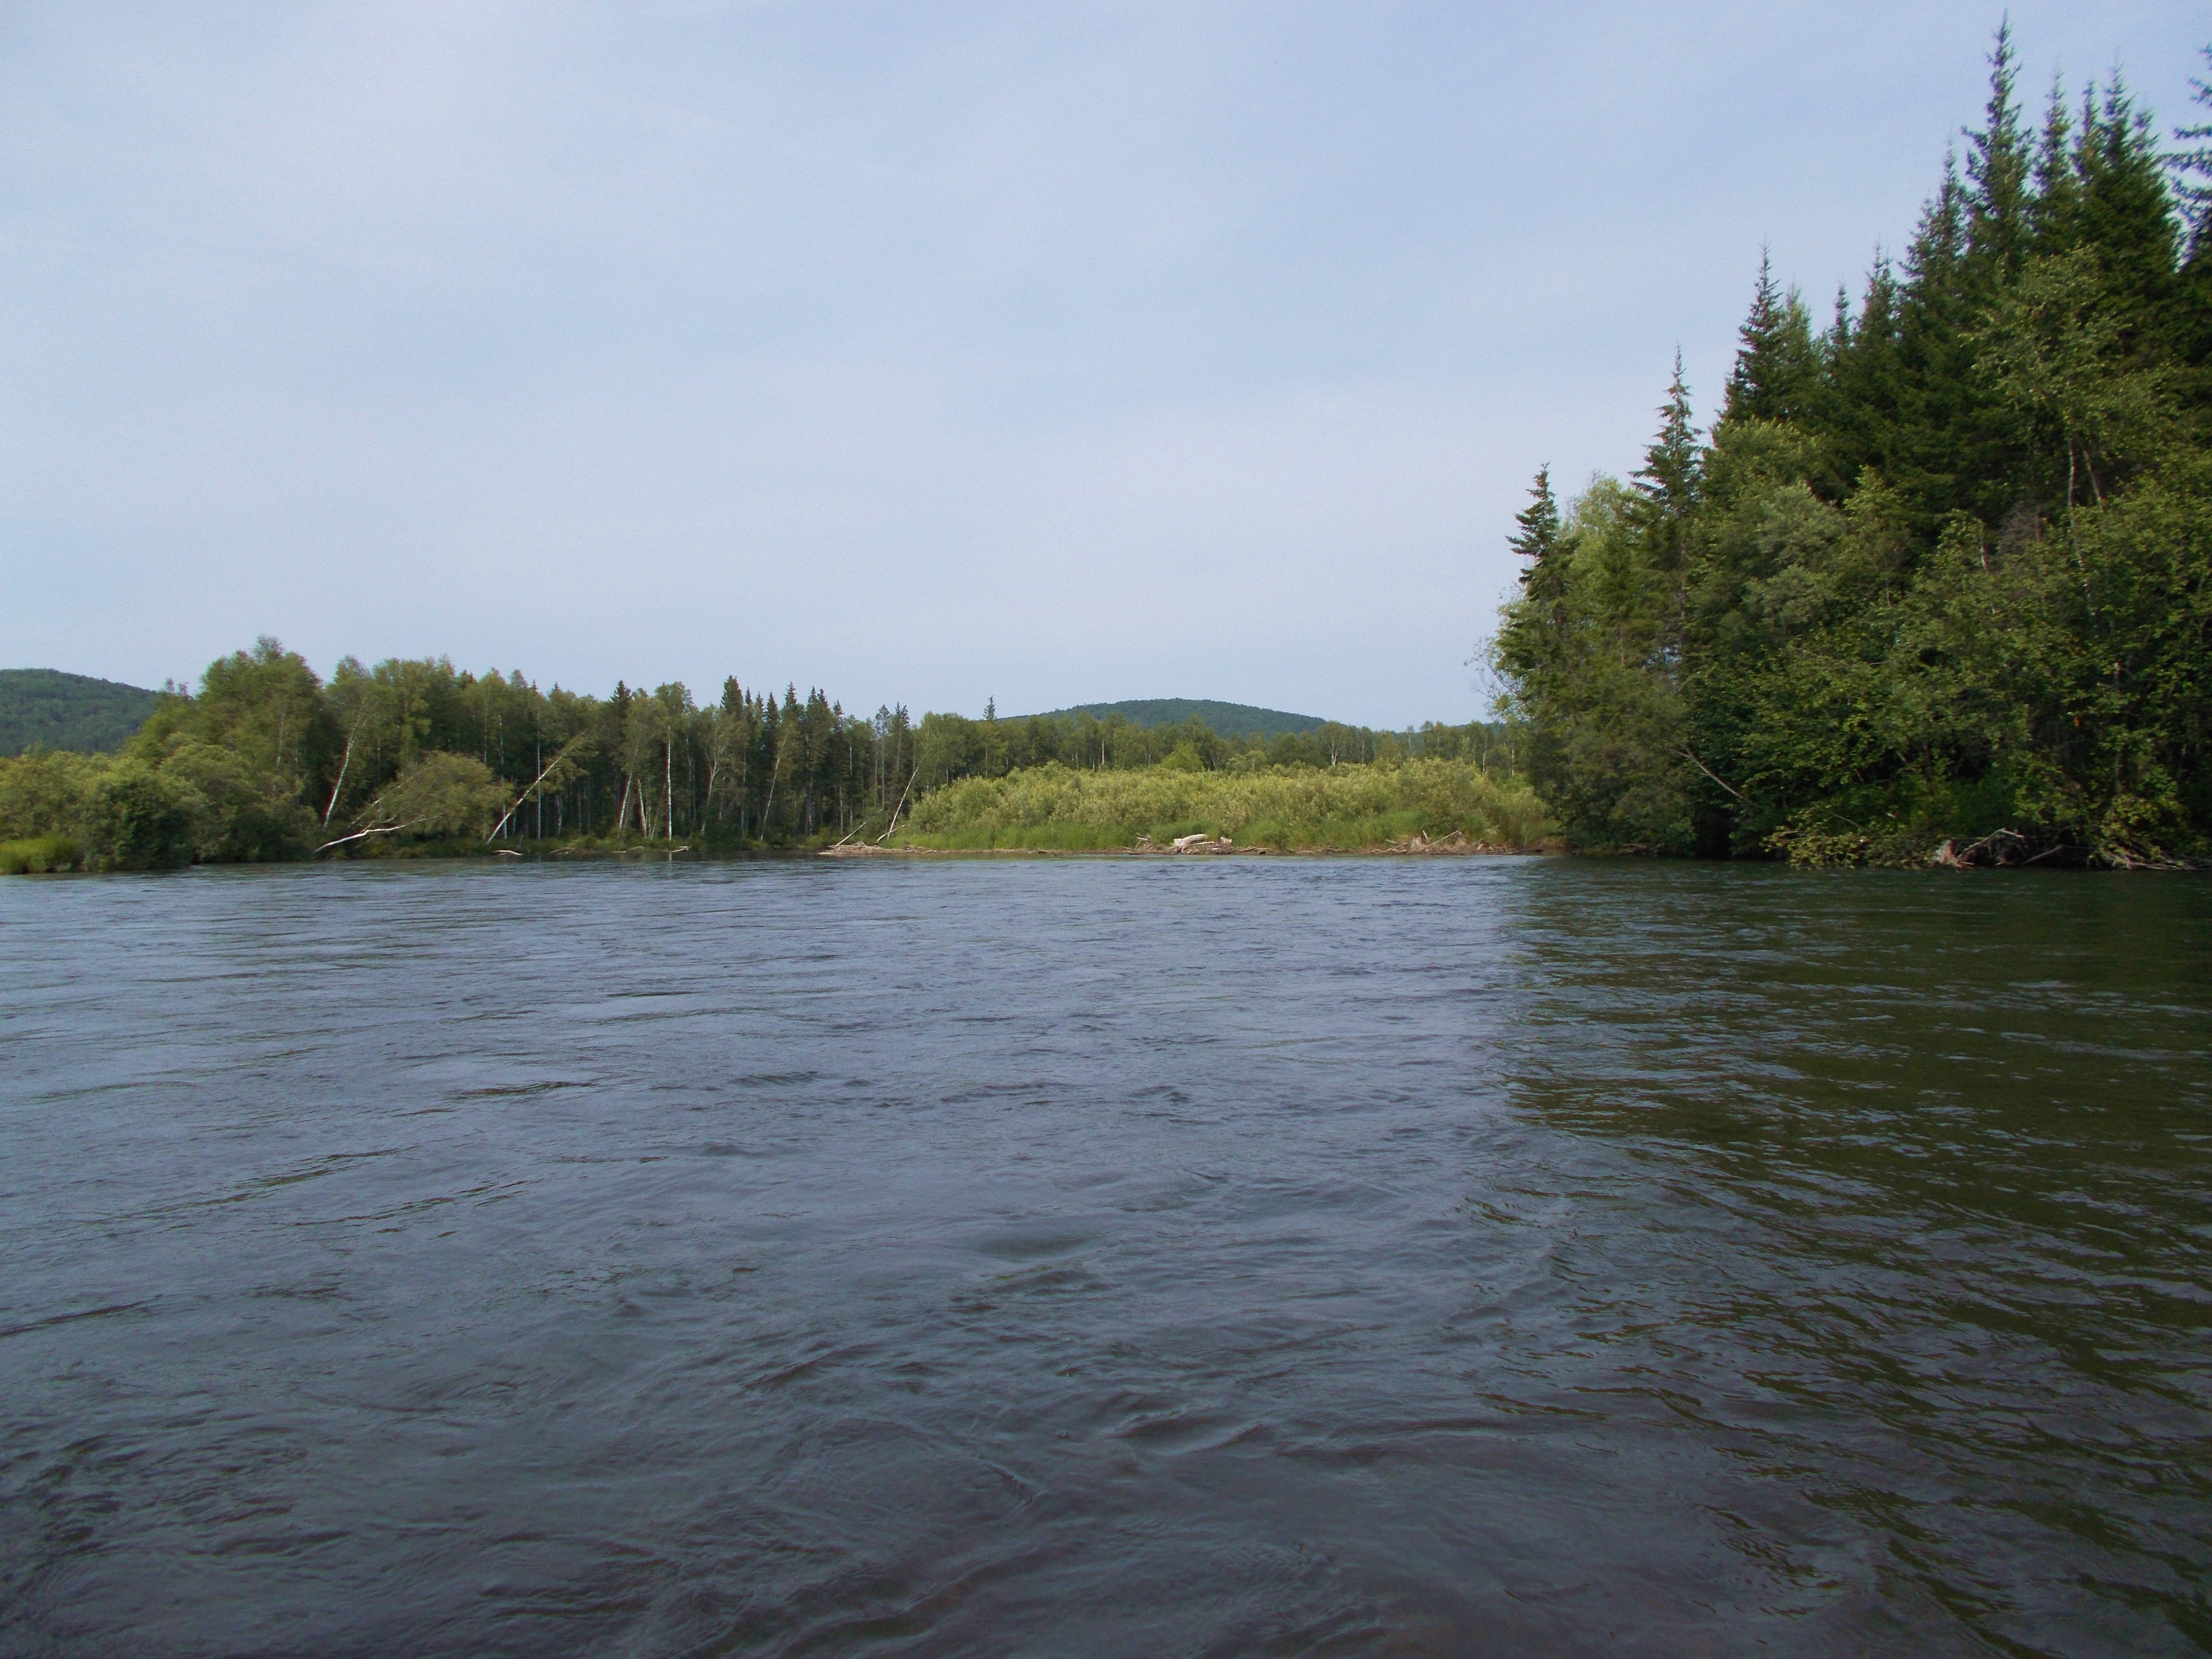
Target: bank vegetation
point(1286, 808)
point(266, 760)
point(1937, 585)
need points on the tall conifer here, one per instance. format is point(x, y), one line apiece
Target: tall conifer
point(2194, 168)
point(2126, 209)
point(1668, 481)
point(1538, 535)
point(1997, 169)
point(2054, 201)
point(1757, 343)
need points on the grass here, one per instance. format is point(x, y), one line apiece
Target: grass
point(1055, 809)
point(40, 855)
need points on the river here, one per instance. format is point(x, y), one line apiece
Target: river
point(1105, 1256)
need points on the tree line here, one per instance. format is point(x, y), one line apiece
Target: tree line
point(954, 746)
point(1935, 582)
point(267, 760)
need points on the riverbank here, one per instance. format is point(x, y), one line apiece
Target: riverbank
point(1415, 804)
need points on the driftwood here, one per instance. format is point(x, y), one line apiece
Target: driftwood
point(2120, 858)
point(1455, 843)
point(1951, 856)
point(362, 835)
point(1199, 843)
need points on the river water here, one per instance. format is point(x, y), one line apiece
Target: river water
point(1103, 1256)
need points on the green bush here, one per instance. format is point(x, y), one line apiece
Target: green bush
point(39, 855)
point(136, 819)
point(445, 794)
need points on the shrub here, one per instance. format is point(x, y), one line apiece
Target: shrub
point(1294, 807)
point(136, 819)
point(38, 854)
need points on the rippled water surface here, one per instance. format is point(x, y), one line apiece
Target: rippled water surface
point(1105, 1257)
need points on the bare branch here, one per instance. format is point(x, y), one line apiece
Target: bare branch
point(381, 830)
point(1691, 755)
point(534, 782)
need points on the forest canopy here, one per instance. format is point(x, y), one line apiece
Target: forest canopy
point(1936, 583)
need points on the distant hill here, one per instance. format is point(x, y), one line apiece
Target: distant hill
point(67, 711)
point(1229, 720)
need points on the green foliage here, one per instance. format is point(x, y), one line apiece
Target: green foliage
point(136, 818)
point(1183, 757)
point(951, 746)
point(40, 855)
point(1582, 647)
point(1938, 579)
point(1055, 806)
point(114, 814)
point(443, 795)
point(266, 761)
point(41, 708)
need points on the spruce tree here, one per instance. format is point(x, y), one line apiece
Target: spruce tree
point(2194, 167)
point(2191, 326)
point(1758, 344)
point(1932, 366)
point(2053, 207)
point(1538, 538)
point(1776, 361)
point(1858, 429)
point(1526, 648)
point(2126, 212)
point(1998, 172)
point(1667, 483)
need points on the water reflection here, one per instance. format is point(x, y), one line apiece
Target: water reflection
point(1933, 1244)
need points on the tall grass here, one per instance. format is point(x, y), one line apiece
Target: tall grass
point(1056, 808)
point(40, 854)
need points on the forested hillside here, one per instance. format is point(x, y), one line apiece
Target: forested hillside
point(1935, 584)
point(1229, 720)
point(52, 710)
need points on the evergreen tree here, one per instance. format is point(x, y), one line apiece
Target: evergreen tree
point(1536, 537)
point(1777, 362)
point(1751, 384)
point(2126, 211)
point(2190, 330)
point(2194, 168)
point(1860, 387)
point(2053, 208)
point(1942, 577)
point(1997, 168)
point(1666, 482)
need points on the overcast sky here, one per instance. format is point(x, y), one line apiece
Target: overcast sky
point(1047, 352)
